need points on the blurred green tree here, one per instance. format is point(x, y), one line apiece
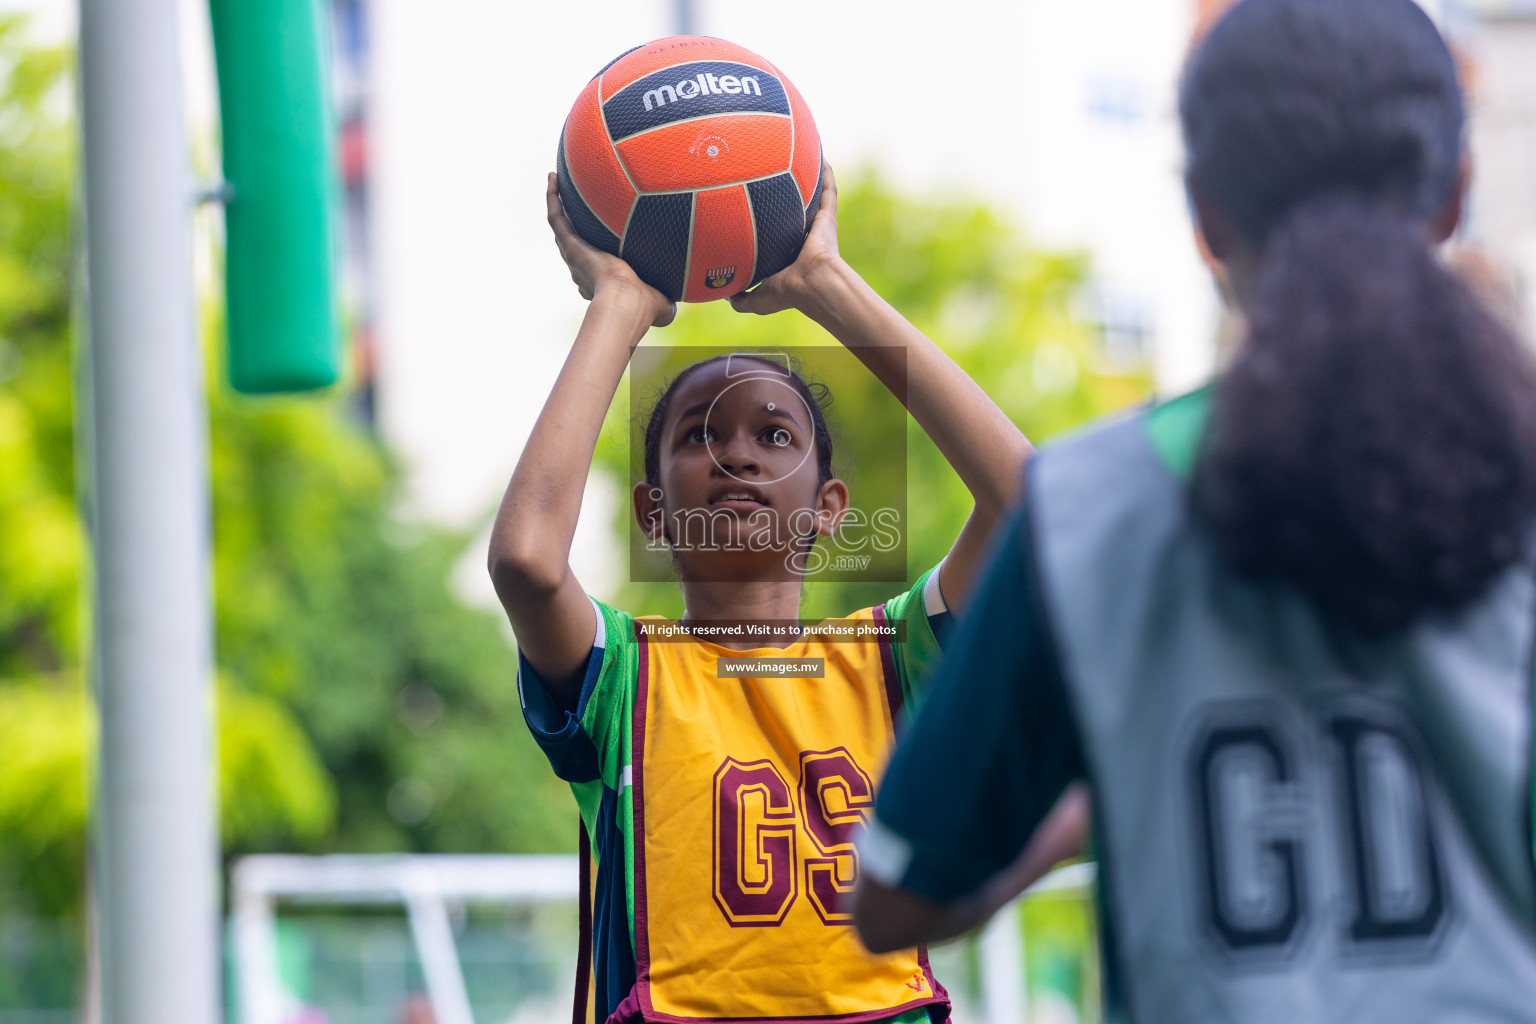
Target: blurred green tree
point(44, 727)
point(1003, 309)
point(331, 606)
point(361, 705)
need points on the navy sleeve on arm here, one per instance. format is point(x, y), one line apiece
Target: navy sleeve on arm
point(992, 748)
point(558, 732)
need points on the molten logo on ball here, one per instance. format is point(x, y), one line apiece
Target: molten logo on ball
point(719, 277)
point(703, 85)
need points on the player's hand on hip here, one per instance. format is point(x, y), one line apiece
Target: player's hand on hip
point(595, 271)
point(799, 284)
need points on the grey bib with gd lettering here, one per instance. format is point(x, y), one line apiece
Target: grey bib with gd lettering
point(1293, 826)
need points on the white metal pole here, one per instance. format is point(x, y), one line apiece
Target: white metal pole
point(1005, 989)
point(434, 945)
point(156, 853)
point(258, 984)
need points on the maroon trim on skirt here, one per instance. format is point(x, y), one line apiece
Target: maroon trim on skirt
point(888, 668)
point(584, 928)
point(642, 989)
point(629, 1012)
point(940, 993)
point(894, 698)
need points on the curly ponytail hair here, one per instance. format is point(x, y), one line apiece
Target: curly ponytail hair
point(1374, 440)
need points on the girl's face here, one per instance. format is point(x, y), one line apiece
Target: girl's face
point(739, 495)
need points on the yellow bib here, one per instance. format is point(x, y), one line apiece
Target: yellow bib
point(748, 794)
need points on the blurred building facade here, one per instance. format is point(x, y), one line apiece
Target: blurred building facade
point(1099, 108)
point(350, 85)
point(1498, 39)
point(1100, 98)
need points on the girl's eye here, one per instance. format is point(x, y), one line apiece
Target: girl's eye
point(701, 435)
point(779, 437)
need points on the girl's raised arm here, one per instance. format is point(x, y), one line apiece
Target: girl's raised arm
point(531, 540)
point(978, 439)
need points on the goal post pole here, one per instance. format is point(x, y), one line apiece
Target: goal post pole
point(155, 851)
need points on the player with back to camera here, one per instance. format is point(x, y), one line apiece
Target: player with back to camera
point(723, 810)
point(1286, 624)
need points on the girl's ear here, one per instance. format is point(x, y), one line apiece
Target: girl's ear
point(1214, 231)
point(1445, 221)
point(831, 503)
point(650, 514)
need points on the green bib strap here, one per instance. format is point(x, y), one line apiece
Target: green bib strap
point(1175, 428)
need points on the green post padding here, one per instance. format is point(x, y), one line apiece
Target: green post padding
point(279, 159)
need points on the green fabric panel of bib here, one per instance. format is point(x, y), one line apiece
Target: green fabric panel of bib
point(1175, 428)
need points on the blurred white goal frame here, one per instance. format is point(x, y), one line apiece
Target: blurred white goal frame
point(425, 885)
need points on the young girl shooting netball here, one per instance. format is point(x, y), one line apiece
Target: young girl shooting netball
point(723, 810)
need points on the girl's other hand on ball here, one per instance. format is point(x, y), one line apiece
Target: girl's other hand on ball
point(596, 272)
point(799, 285)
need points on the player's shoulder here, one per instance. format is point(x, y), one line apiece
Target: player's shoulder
point(612, 671)
point(1170, 430)
point(615, 648)
point(922, 597)
point(615, 626)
